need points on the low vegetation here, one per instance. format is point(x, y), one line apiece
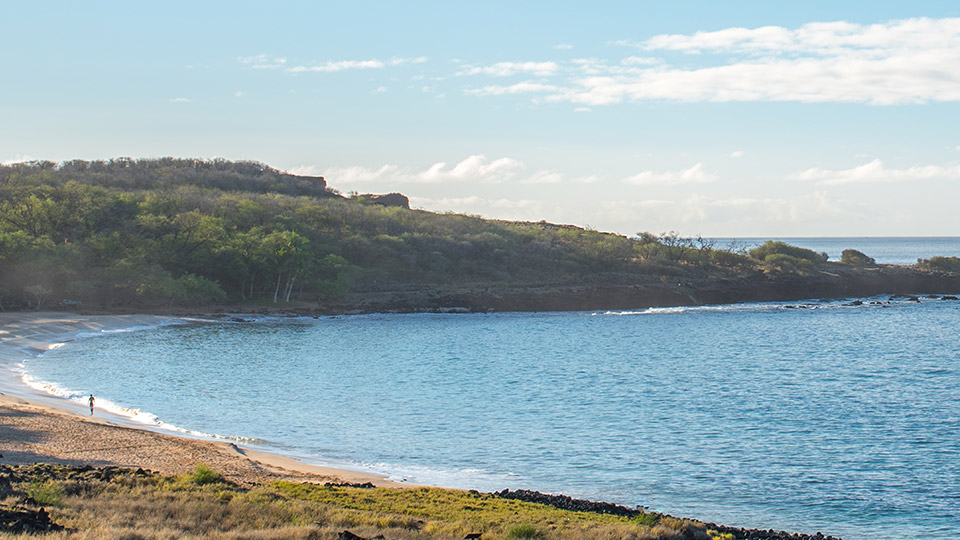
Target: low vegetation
point(782, 257)
point(120, 503)
point(187, 232)
point(196, 232)
point(856, 258)
point(943, 264)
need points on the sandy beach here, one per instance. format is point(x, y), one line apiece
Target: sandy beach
point(36, 427)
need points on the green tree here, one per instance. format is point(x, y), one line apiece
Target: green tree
point(288, 255)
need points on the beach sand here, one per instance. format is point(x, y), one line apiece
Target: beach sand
point(35, 427)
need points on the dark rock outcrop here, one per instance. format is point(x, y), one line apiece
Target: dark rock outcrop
point(564, 502)
point(24, 521)
point(390, 199)
point(625, 292)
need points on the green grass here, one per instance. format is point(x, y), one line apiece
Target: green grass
point(203, 475)
point(201, 505)
point(524, 530)
point(46, 493)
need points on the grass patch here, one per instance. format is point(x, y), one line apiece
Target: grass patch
point(203, 475)
point(524, 530)
point(46, 492)
point(124, 504)
point(646, 518)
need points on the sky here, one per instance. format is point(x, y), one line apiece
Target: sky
point(762, 119)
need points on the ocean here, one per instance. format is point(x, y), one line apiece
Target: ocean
point(904, 250)
point(808, 416)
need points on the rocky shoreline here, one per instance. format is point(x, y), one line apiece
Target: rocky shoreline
point(834, 281)
point(29, 516)
point(564, 502)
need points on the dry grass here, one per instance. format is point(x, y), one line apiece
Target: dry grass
point(128, 506)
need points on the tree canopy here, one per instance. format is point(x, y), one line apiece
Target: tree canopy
point(191, 232)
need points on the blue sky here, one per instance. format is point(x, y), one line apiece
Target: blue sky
point(712, 118)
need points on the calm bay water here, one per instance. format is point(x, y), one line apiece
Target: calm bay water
point(840, 419)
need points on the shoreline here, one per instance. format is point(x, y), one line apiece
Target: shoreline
point(41, 428)
point(40, 419)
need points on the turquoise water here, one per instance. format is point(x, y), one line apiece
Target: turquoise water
point(838, 419)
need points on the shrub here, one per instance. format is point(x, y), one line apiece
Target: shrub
point(728, 259)
point(770, 247)
point(646, 518)
point(48, 493)
point(204, 475)
point(856, 258)
point(945, 264)
point(196, 288)
point(786, 263)
point(524, 530)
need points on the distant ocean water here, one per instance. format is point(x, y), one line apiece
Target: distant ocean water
point(886, 250)
point(835, 418)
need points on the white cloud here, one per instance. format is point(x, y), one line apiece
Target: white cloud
point(898, 62)
point(519, 88)
point(330, 66)
point(743, 213)
point(181, 100)
point(305, 170)
point(476, 168)
point(591, 66)
point(736, 154)
point(341, 65)
point(693, 175)
point(401, 61)
point(514, 209)
point(380, 90)
point(563, 46)
point(591, 179)
point(876, 172)
point(640, 61)
point(507, 69)
point(544, 177)
point(817, 38)
point(582, 109)
point(262, 61)
point(19, 158)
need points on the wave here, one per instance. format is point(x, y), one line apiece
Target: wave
point(693, 309)
point(863, 303)
point(136, 328)
point(464, 478)
point(137, 416)
point(141, 417)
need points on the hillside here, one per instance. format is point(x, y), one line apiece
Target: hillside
point(197, 233)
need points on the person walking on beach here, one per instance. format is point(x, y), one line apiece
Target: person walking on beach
point(90, 400)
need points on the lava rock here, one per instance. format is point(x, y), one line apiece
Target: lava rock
point(24, 521)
